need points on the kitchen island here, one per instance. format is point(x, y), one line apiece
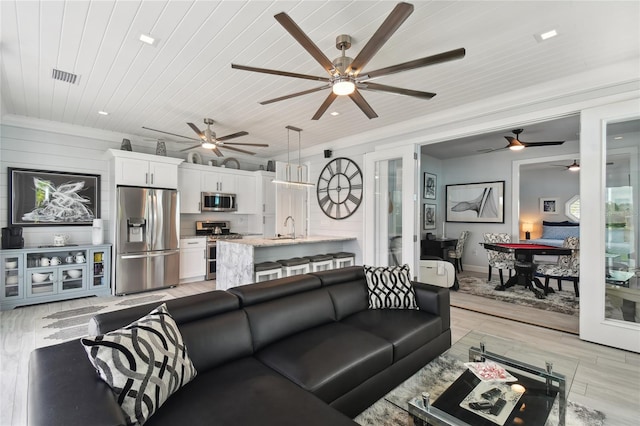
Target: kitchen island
point(236, 258)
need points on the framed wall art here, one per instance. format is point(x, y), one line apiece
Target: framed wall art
point(429, 216)
point(549, 205)
point(51, 198)
point(481, 202)
point(429, 191)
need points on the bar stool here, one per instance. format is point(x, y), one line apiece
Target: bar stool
point(267, 269)
point(320, 262)
point(294, 266)
point(343, 259)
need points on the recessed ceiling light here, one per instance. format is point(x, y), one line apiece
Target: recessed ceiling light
point(618, 138)
point(147, 39)
point(103, 113)
point(546, 35)
point(334, 113)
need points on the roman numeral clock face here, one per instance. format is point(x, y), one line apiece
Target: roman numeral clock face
point(339, 188)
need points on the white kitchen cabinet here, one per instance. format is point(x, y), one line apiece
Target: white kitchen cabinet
point(219, 182)
point(246, 195)
point(138, 169)
point(193, 259)
point(189, 182)
point(268, 194)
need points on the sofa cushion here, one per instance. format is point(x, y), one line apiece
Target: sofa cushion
point(405, 329)
point(143, 363)
point(328, 360)
point(276, 319)
point(245, 392)
point(253, 294)
point(348, 289)
point(390, 287)
point(183, 310)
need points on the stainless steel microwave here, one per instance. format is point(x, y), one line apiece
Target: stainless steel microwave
point(218, 202)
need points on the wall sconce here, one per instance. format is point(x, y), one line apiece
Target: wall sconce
point(527, 227)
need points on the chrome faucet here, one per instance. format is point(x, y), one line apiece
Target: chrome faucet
point(294, 225)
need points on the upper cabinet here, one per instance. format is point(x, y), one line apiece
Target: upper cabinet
point(195, 179)
point(137, 169)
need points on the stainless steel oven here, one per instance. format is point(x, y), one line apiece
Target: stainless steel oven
point(211, 259)
point(214, 230)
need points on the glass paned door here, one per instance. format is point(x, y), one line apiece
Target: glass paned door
point(609, 186)
point(390, 224)
point(622, 294)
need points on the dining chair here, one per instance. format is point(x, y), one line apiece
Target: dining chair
point(456, 254)
point(499, 260)
point(567, 268)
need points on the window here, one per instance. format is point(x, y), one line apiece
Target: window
point(572, 208)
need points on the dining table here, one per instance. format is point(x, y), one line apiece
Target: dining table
point(525, 265)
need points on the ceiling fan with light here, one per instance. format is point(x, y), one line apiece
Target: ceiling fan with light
point(346, 76)
point(211, 141)
point(515, 144)
point(573, 167)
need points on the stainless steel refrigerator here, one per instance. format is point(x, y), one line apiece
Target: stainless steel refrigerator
point(147, 237)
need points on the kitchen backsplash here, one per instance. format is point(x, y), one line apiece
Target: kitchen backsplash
point(237, 222)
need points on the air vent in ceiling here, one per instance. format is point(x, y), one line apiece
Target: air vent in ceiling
point(67, 77)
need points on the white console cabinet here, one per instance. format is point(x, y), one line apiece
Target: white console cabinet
point(47, 274)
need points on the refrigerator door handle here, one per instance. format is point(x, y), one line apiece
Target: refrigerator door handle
point(141, 256)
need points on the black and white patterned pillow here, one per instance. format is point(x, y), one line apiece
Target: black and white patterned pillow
point(390, 287)
point(143, 363)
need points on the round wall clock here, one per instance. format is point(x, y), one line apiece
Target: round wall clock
point(339, 188)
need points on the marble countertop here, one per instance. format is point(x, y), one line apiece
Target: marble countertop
point(272, 242)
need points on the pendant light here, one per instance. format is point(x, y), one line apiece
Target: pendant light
point(288, 179)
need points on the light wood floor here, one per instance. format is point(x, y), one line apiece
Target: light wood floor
point(607, 379)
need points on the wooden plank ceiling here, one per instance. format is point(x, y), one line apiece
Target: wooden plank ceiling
point(187, 76)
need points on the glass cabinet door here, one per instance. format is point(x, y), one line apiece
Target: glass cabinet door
point(99, 272)
point(41, 281)
point(12, 276)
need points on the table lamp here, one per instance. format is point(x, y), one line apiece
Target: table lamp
point(527, 227)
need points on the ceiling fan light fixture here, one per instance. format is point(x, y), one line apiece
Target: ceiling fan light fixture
point(208, 145)
point(343, 86)
point(574, 167)
point(515, 145)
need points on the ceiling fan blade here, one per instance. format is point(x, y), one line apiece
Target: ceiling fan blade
point(397, 16)
point(231, 136)
point(191, 147)
point(217, 152)
point(326, 104)
point(278, 72)
point(195, 129)
point(293, 95)
point(237, 149)
point(396, 90)
point(264, 145)
point(297, 33)
point(362, 104)
point(167, 133)
point(534, 144)
point(417, 63)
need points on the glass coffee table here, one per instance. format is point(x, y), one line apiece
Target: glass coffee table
point(532, 382)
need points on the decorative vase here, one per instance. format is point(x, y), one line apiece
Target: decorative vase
point(126, 145)
point(161, 148)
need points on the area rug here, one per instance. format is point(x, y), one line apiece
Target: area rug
point(564, 302)
point(436, 378)
point(73, 323)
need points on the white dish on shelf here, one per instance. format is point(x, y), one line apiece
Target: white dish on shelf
point(37, 277)
point(12, 279)
point(11, 264)
point(74, 273)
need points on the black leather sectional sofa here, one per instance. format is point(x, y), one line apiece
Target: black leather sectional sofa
point(302, 350)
